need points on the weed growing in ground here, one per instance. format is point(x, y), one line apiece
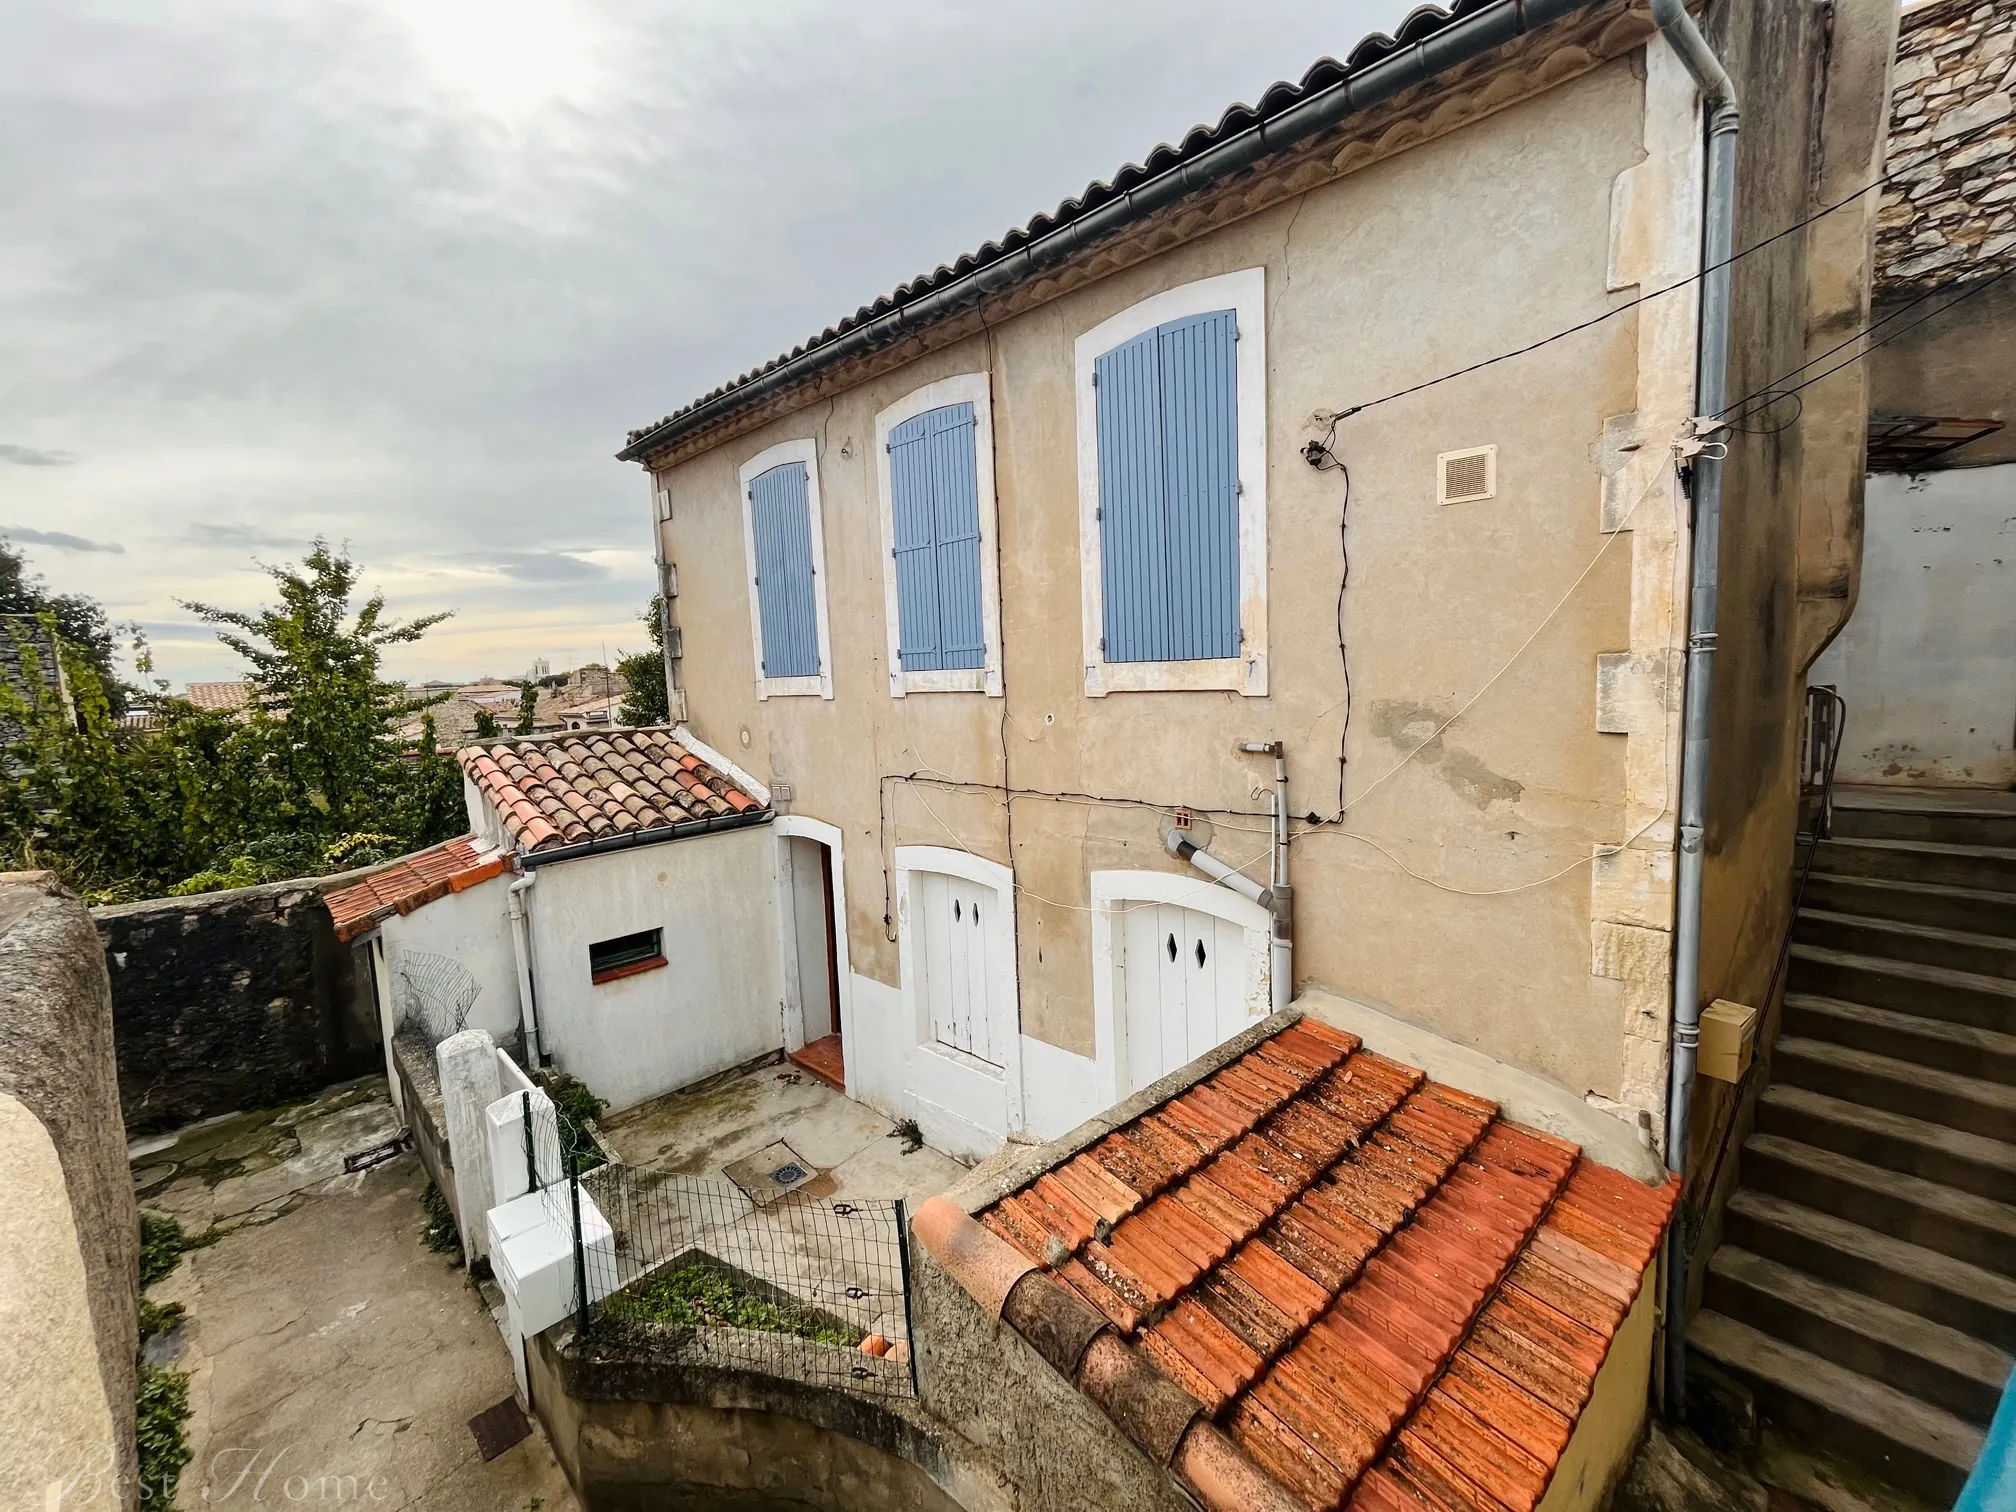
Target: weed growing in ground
point(700, 1295)
point(906, 1130)
point(161, 1408)
point(159, 1318)
point(162, 1242)
point(441, 1234)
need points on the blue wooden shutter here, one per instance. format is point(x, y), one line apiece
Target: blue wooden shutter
point(1168, 419)
point(935, 510)
point(780, 518)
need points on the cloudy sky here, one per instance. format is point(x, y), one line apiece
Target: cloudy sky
point(403, 272)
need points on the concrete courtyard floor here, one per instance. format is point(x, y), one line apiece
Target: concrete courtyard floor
point(323, 1340)
point(856, 1151)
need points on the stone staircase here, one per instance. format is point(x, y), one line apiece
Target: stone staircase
point(1865, 1289)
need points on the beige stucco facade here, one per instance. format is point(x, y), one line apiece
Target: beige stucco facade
point(1502, 871)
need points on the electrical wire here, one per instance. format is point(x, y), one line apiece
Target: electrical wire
point(1120, 905)
point(1333, 418)
point(1849, 361)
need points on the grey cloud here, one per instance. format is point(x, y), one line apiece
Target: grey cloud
point(449, 324)
point(62, 540)
point(536, 566)
point(30, 456)
point(240, 537)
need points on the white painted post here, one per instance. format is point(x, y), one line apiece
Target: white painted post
point(469, 1084)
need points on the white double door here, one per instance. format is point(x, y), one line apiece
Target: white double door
point(958, 939)
point(1187, 982)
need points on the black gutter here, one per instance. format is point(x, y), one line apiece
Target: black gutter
point(1458, 42)
point(743, 820)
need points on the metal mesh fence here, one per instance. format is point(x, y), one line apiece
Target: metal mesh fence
point(782, 1282)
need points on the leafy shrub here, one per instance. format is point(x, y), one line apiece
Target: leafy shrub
point(161, 1408)
point(162, 1242)
point(698, 1294)
point(577, 1107)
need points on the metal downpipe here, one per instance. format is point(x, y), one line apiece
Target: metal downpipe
point(1711, 387)
point(521, 948)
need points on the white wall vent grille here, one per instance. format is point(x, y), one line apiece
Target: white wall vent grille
point(1465, 476)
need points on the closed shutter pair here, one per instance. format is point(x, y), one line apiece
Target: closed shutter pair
point(1168, 406)
point(936, 512)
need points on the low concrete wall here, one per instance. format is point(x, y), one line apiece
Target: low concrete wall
point(228, 1001)
point(638, 1435)
point(420, 1095)
point(56, 1024)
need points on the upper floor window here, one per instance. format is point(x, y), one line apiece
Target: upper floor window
point(786, 557)
point(935, 458)
point(1172, 490)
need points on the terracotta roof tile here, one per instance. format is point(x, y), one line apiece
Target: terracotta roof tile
point(587, 785)
point(1387, 1295)
point(410, 883)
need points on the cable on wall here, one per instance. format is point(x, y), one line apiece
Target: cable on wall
point(1332, 419)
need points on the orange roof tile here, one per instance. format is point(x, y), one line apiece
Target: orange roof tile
point(1382, 1293)
point(409, 883)
point(557, 790)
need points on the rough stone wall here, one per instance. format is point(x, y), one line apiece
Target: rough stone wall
point(56, 1024)
point(225, 1002)
point(1949, 215)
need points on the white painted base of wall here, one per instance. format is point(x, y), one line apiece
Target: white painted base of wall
point(961, 1109)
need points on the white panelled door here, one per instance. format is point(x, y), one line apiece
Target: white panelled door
point(960, 980)
point(1186, 984)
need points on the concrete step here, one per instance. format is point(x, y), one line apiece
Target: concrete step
point(1987, 866)
point(1957, 824)
point(1979, 1303)
point(1963, 1225)
point(1911, 1443)
point(1965, 997)
point(1969, 1103)
point(1897, 940)
point(1936, 1364)
point(1939, 1043)
point(1978, 910)
point(1985, 1167)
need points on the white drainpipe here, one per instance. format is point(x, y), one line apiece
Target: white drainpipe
point(521, 947)
point(1279, 898)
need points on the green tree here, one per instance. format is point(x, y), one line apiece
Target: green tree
point(528, 708)
point(486, 725)
point(316, 779)
point(324, 718)
point(646, 702)
point(80, 620)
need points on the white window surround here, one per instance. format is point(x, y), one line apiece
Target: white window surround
point(785, 826)
point(1244, 293)
point(805, 450)
point(965, 388)
point(1112, 893)
point(990, 874)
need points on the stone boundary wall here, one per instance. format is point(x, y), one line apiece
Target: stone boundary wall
point(56, 1023)
point(420, 1098)
point(228, 1001)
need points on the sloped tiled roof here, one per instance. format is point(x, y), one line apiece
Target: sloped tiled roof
point(219, 695)
point(589, 785)
point(1384, 1295)
point(1275, 102)
point(410, 882)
